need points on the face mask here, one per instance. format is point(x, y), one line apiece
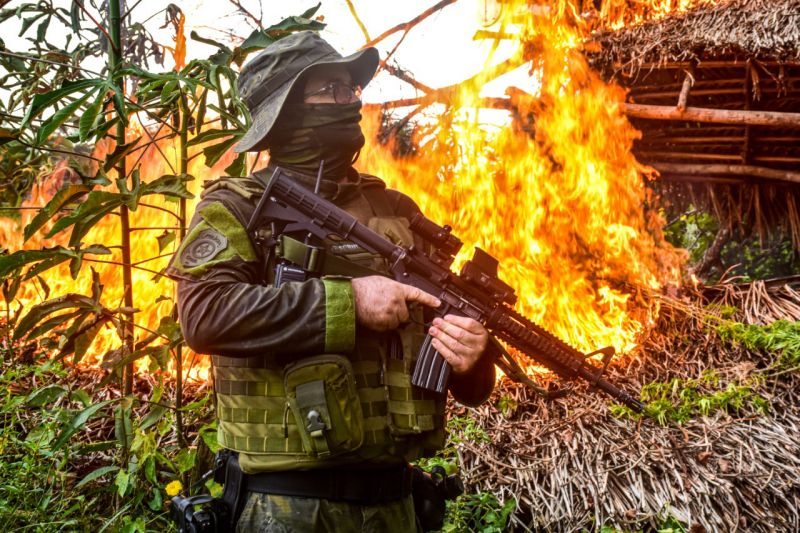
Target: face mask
point(305, 134)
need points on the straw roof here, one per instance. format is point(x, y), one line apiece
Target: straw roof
point(572, 466)
point(763, 29)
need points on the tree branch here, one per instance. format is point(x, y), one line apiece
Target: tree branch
point(410, 24)
point(358, 19)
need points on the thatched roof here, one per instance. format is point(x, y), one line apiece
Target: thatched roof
point(574, 467)
point(759, 29)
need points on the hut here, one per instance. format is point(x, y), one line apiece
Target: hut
point(716, 94)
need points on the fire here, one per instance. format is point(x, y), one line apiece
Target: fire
point(153, 294)
point(555, 194)
point(562, 208)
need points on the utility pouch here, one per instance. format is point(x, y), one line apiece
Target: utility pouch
point(321, 394)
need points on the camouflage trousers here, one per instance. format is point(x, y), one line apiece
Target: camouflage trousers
point(268, 513)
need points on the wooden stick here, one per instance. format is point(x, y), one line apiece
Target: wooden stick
point(686, 155)
point(358, 19)
point(669, 94)
point(688, 81)
point(723, 116)
point(410, 24)
point(736, 170)
point(707, 64)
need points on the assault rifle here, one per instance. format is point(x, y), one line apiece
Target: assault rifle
point(476, 292)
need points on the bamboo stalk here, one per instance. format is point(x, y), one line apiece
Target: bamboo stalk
point(114, 62)
point(184, 169)
point(735, 170)
point(724, 116)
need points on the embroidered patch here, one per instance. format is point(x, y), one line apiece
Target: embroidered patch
point(203, 248)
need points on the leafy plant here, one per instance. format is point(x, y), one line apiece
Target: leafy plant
point(679, 400)
point(781, 337)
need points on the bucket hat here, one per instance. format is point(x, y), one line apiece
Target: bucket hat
point(266, 81)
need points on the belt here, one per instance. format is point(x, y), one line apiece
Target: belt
point(364, 487)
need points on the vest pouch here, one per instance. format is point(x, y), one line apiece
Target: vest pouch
point(411, 410)
point(321, 394)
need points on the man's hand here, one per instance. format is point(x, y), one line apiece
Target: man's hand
point(381, 302)
point(460, 340)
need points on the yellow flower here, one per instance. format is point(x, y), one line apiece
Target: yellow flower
point(173, 488)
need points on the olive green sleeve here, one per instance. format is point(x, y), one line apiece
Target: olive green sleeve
point(226, 308)
point(340, 315)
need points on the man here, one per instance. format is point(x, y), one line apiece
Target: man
point(312, 344)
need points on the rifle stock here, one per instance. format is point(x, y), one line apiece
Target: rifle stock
point(476, 292)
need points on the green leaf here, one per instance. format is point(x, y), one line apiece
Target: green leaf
point(59, 117)
point(123, 427)
point(28, 22)
point(45, 395)
point(77, 422)
point(164, 240)
point(89, 117)
point(11, 287)
point(186, 459)
point(82, 342)
point(82, 396)
point(119, 153)
point(41, 31)
point(42, 101)
point(238, 166)
point(210, 135)
point(157, 501)
point(59, 200)
point(170, 329)
point(40, 311)
point(215, 152)
point(53, 323)
point(195, 37)
point(169, 185)
point(311, 11)
point(122, 482)
point(156, 413)
point(96, 474)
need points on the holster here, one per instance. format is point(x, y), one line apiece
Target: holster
point(228, 472)
point(431, 492)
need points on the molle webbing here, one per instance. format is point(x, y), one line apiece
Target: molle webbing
point(319, 261)
point(251, 406)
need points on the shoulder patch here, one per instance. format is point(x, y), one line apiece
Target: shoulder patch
point(205, 247)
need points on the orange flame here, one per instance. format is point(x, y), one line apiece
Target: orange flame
point(562, 208)
point(558, 201)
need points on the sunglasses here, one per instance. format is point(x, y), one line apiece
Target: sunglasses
point(343, 93)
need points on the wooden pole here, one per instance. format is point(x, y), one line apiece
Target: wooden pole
point(721, 116)
point(688, 81)
point(735, 170)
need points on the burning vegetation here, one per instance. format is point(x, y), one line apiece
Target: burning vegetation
point(555, 178)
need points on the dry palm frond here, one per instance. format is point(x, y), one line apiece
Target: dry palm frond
point(572, 466)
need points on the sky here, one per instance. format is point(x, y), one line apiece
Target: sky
point(439, 51)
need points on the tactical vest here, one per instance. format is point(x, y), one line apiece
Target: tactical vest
point(331, 409)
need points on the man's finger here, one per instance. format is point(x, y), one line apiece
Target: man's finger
point(465, 322)
point(413, 294)
point(447, 353)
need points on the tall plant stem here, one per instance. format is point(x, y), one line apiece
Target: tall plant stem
point(114, 62)
point(183, 168)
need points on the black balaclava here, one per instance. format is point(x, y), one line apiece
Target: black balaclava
point(306, 134)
